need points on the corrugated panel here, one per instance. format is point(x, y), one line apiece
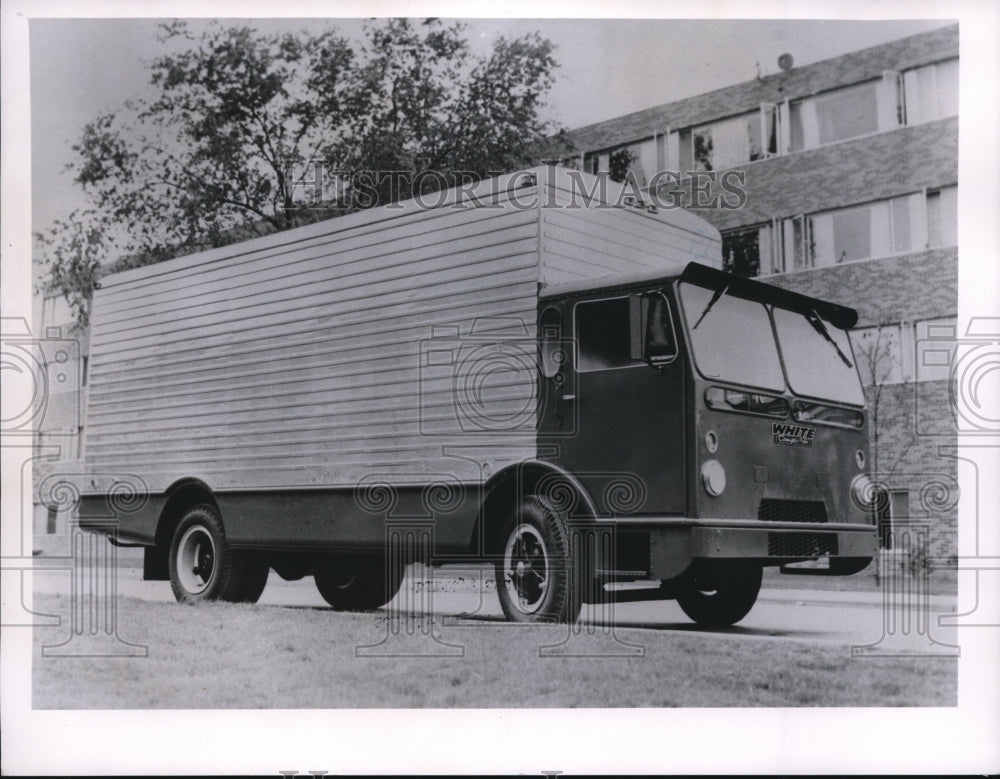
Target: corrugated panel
point(598, 242)
point(306, 363)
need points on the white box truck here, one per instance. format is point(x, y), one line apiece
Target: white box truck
point(512, 366)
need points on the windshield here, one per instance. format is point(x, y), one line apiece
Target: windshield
point(733, 340)
point(815, 367)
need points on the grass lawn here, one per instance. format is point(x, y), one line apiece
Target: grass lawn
point(239, 656)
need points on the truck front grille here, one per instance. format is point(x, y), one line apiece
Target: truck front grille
point(801, 544)
point(774, 510)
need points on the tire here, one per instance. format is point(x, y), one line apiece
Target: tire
point(720, 599)
point(204, 568)
point(254, 578)
point(536, 577)
point(358, 583)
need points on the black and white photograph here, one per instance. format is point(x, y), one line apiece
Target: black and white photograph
point(555, 389)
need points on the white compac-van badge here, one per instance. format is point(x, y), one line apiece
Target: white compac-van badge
point(793, 435)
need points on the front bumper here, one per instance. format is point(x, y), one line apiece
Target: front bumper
point(676, 542)
point(781, 542)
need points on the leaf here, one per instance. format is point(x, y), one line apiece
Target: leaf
point(205, 161)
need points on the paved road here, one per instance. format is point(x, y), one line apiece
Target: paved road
point(903, 625)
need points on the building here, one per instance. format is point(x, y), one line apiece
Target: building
point(58, 368)
point(849, 167)
point(850, 170)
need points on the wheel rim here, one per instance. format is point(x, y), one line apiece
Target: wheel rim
point(526, 568)
point(196, 560)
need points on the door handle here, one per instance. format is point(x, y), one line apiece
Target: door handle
point(569, 397)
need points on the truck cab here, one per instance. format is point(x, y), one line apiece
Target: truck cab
point(718, 426)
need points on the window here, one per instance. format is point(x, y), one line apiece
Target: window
point(771, 128)
point(704, 148)
point(942, 217)
point(891, 508)
point(803, 248)
point(747, 252)
point(596, 162)
point(646, 162)
point(875, 229)
point(602, 334)
point(900, 224)
point(879, 353)
point(731, 142)
point(732, 340)
point(850, 235)
point(642, 160)
point(882, 509)
point(56, 311)
point(935, 348)
point(931, 92)
point(835, 116)
point(816, 367)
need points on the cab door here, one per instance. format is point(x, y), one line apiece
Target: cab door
point(622, 417)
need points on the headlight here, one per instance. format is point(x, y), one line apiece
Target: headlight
point(713, 476)
point(863, 492)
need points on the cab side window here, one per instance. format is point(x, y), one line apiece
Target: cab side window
point(602, 334)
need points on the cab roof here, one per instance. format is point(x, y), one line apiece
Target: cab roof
point(839, 316)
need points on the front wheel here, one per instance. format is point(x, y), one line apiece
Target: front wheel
point(716, 599)
point(536, 579)
point(203, 567)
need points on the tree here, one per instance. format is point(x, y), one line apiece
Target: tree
point(75, 248)
point(250, 133)
point(620, 164)
point(877, 353)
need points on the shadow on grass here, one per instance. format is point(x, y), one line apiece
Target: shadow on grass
point(680, 627)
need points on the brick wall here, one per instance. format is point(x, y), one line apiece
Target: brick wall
point(909, 287)
point(874, 167)
point(907, 455)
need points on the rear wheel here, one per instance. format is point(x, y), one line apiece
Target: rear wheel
point(358, 583)
point(536, 579)
point(715, 599)
point(203, 567)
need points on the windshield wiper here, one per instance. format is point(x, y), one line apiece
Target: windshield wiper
point(715, 299)
point(814, 319)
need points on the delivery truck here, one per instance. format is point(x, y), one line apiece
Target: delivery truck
point(543, 372)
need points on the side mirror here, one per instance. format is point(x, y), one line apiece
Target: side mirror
point(638, 311)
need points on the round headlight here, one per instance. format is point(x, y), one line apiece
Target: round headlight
point(863, 492)
point(711, 442)
point(713, 476)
